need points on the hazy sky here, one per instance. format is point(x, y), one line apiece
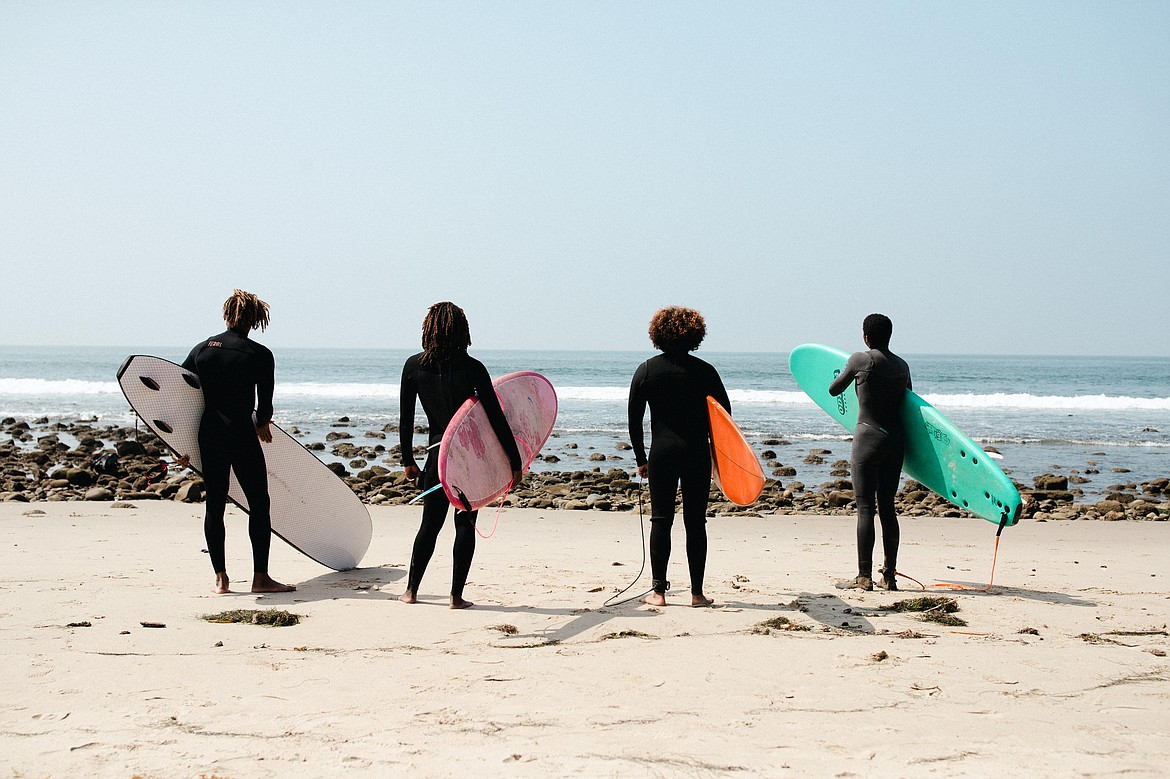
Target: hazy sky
point(994, 176)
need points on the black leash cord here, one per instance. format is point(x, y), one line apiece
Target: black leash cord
point(642, 526)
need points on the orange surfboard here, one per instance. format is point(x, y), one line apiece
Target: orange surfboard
point(734, 466)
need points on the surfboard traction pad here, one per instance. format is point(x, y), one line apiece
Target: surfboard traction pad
point(312, 509)
point(938, 454)
point(473, 467)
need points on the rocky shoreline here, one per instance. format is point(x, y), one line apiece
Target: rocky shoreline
point(43, 461)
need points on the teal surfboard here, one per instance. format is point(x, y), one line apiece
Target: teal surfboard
point(938, 454)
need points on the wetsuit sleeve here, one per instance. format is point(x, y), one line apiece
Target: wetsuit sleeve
point(406, 400)
point(190, 363)
point(637, 413)
point(846, 377)
point(265, 386)
point(482, 382)
point(719, 392)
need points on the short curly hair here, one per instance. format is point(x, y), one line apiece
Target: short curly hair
point(677, 329)
point(878, 328)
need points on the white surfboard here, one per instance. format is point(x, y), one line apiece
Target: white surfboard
point(312, 509)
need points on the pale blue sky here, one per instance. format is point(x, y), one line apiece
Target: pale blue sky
point(994, 176)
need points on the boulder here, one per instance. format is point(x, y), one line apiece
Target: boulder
point(190, 492)
point(129, 448)
point(838, 499)
point(79, 477)
point(98, 493)
point(1049, 482)
point(1155, 486)
point(1107, 506)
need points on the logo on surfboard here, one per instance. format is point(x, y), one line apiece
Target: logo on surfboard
point(842, 404)
point(937, 434)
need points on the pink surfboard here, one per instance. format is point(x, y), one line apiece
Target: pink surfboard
point(473, 467)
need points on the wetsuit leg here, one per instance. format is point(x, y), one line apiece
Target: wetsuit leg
point(663, 480)
point(868, 443)
point(434, 514)
point(696, 491)
point(216, 462)
point(889, 474)
point(252, 474)
point(463, 550)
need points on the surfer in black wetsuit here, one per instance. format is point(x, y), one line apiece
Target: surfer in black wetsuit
point(237, 375)
point(878, 446)
point(675, 385)
point(443, 376)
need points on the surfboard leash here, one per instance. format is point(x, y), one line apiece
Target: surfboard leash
point(641, 526)
point(956, 585)
point(504, 498)
point(994, 556)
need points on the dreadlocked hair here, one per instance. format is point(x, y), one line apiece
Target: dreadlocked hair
point(445, 333)
point(245, 311)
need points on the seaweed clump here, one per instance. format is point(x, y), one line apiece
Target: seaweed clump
point(277, 618)
point(931, 608)
point(627, 634)
point(766, 627)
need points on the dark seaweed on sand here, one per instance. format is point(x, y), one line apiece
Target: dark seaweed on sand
point(510, 630)
point(277, 618)
point(778, 623)
point(925, 603)
point(627, 634)
point(933, 608)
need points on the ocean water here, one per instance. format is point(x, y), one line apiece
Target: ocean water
point(1044, 414)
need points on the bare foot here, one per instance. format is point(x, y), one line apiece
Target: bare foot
point(262, 582)
point(701, 600)
point(655, 599)
point(408, 597)
point(222, 584)
point(460, 603)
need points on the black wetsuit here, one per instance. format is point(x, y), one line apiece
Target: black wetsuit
point(442, 388)
point(879, 445)
point(237, 375)
point(676, 386)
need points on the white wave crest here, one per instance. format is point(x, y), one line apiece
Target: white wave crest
point(315, 389)
point(56, 387)
point(47, 388)
point(1003, 400)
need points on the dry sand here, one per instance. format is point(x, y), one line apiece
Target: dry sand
point(367, 686)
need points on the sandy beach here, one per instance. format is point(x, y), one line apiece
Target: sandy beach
point(540, 680)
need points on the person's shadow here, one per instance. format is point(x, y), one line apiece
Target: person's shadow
point(583, 620)
point(832, 612)
point(357, 583)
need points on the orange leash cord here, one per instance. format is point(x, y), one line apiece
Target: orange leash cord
point(954, 586)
